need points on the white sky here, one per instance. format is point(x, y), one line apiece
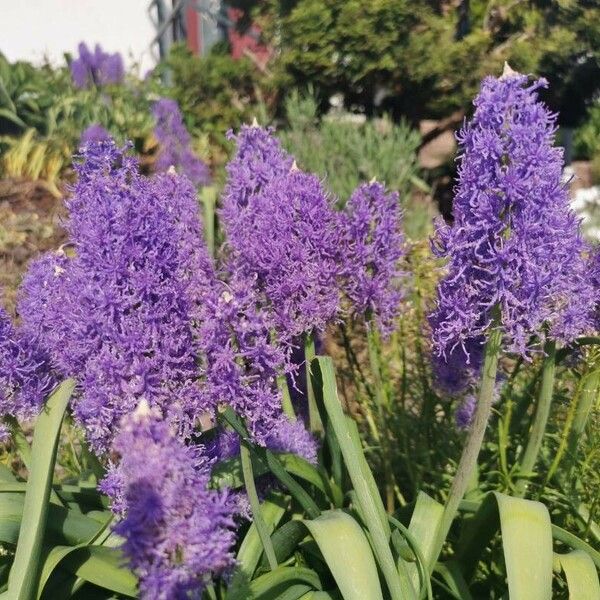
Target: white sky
point(32, 29)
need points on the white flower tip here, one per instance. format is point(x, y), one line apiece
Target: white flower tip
point(227, 297)
point(58, 270)
point(255, 122)
point(508, 71)
point(373, 180)
point(143, 410)
point(171, 170)
point(294, 167)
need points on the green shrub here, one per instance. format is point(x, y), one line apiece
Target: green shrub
point(346, 151)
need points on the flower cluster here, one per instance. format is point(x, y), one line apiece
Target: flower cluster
point(174, 140)
point(282, 229)
point(25, 374)
point(178, 534)
point(96, 67)
point(114, 310)
point(374, 245)
point(515, 255)
point(93, 134)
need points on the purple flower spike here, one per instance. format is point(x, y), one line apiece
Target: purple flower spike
point(93, 134)
point(515, 246)
point(259, 159)
point(115, 311)
point(96, 68)
point(175, 141)
point(178, 534)
point(374, 246)
point(25, 373)
point(465, 412)
point(283, 230)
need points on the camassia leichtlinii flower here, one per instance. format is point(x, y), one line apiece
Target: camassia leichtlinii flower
point(175, 143)
point(178, 534)
point(515, 256)
point(374, 247)
point(96, 67)
point(114, 309)
point(26, 376)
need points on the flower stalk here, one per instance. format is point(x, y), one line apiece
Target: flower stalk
point(540, 421)
point(468, 460)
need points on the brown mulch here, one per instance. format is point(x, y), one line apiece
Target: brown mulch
point(30, 223)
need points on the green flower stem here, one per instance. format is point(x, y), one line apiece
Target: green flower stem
point(540, 421)
point(208, 195)
point(468, 460)
point(286, 399)
point(381, 399)
point(314, 420)
point(261, 526)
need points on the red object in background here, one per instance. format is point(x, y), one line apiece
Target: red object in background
point(192, 27)
point(247, 44)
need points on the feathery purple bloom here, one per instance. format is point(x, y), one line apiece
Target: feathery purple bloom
point(97, 67)
point(374, 246)
point(465, 411)
point(515, 245)
point(258, 160)
point(93, 134)
point(177, 533)
point(241, 362)
point(25, 374)
point(117, 314)
point(282, 229)
point(174, 140)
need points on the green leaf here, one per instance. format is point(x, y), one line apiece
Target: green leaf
point(248, 556)
point(527, 545)
point(285, 540)
point(63, 526)
point(273, 585)
point(347, 553)
point(582, 577)
point(370, 505)
point(423, 525)
point(103, 567)
point(261, 527)
point(526, 541)
point(24, 573)
point(13, 117)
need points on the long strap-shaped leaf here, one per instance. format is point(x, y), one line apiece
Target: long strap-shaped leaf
point(526, 541)
point(582, 577)
point(348, 555)
point(22, 583)
point(370, 505)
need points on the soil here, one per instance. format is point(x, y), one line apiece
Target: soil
point(30, 223)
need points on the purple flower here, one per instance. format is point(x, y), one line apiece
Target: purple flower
point(25, 373)
point(459, 369)
point(241, 363)
point(465, 411)
point(174, 140)
point(116, 310)
point(282, 229)
point(178, 534)
point(594, 266)
point(283, 435)
point(96, 68)
point(258, 160)
point(94, 133)
point(374, 246)
point(515, 255)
